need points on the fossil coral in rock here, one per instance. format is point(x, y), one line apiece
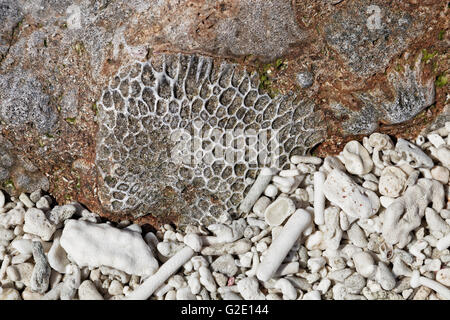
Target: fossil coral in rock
point(173, 132)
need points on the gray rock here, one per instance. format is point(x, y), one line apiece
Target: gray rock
point(25, 177)
point(300, 283)
point(54, 293)
point(411, 94)
point(10, 15)
point(41, 272)
point(246, 33)
point(22, 100)
point(71, 284)
point(305, 79)
point(36, 195)
point(368, 34)
point(61, 213)
point(408, 95)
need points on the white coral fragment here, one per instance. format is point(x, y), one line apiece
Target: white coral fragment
point(94, 245)
point(357, 159)
point(353, 199)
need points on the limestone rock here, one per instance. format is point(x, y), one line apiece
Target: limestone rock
point(58, 60)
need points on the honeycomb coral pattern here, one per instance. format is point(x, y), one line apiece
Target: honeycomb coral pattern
point(149, 112)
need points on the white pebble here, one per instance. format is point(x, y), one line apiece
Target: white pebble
point(278, 211)
point(271, 191)
point(194, 241)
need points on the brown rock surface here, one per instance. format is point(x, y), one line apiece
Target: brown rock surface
point(373, 66)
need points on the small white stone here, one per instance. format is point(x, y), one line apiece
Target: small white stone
point(207, 280)
point(312, 295)
point(260, 206)
point(185, 294)
point(370, 185)
point(443, 276)
point(270, 296)
point(407, 293)
point(385, 277)
point(26, 201)
point(357, 159)
point(278, 211)
point(199, 261)
point(289, 173)
point(44, 203)
point(286, 287)
point(13, 217)
point(261, 246)
point(315, 264)
point(315, 241)
point(88, 291)
point(271, 191)
point(413, 154)
point(115, 288)
point(306, 168)
point(171, 295)
point(194, 284)
point(6, 234)
point(324, 285)
point(225, 264)
point(18, 231)
point(220, 279)
point(36, 195)
point(10, 294)
point(2, 199)
point(21, 272)
point(353, 199)
point(364, 264)
point(249, 289)
point(194, 241)
point(57, 256)
point(386, 201)
point(392, 181)
point(440, 173)
point(27, 294)
point(436, 140)
point(37, 223)
point(306, 159)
